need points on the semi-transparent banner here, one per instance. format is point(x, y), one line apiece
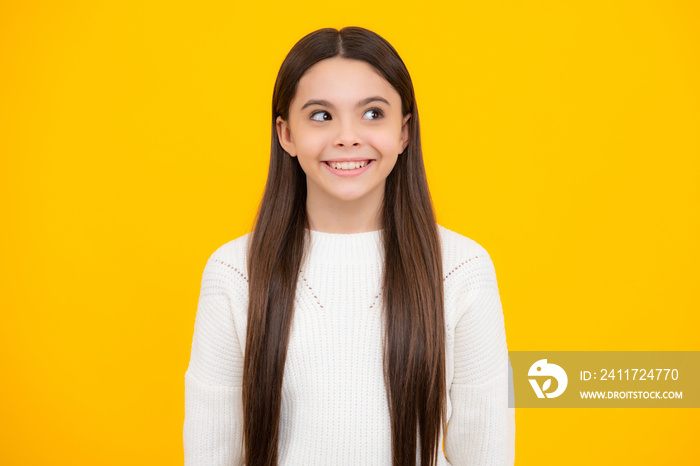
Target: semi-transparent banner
point(605, 379)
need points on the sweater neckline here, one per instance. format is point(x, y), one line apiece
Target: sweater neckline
point(345, 247)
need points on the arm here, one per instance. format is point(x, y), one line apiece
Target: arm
point(213, 426)
point(481, 428)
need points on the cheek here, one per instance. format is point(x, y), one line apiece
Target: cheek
point(388, 144)
point(311, 144)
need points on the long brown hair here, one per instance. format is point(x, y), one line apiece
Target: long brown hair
point(413, 313)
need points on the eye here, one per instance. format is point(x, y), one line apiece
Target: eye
point(321, 112)
point(375, 110)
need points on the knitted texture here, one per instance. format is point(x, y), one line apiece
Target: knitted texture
point(334, 408)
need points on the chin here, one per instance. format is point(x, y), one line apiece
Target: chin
point(350, 196)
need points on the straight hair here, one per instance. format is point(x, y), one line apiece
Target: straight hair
point(413, 311)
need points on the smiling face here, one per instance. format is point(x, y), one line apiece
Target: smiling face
point(344, 110)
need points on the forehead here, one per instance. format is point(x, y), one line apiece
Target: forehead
point(343, 82)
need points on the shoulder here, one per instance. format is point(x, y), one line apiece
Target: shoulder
point(233, 252)
point(226, 267)
point(465, 258)
point(470, 282)
point(468, 273)
point(456, 245)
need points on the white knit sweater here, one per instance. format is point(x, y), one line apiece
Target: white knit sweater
point(334, 407)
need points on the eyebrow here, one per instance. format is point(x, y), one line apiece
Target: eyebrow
point(361, 103)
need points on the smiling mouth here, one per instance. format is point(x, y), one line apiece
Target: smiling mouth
point(348, 165)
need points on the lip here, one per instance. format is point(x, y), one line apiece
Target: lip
point(348, 159)
point(347, 173)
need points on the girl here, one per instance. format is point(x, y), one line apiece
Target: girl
point(348, 328)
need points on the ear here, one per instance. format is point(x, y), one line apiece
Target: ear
point(405, 133)
point(284, 135)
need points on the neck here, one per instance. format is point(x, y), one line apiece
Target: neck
point(345, 248)
point(332, 215)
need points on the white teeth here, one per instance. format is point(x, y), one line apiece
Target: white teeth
point(348, 165)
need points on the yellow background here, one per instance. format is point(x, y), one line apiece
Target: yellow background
point(135, 137)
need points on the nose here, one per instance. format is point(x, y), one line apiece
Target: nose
point(347, 135)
